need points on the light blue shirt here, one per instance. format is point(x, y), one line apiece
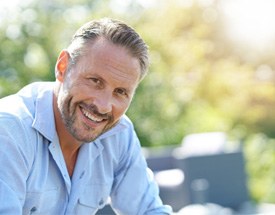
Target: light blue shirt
point(33, 173)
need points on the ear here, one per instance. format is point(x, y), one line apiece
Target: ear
point(62, 65)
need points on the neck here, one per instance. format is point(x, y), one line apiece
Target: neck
point(69, 145)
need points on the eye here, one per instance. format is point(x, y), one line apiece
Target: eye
point(121, 92)
point(95, 81)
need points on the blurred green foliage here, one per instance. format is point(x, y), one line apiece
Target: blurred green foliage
point(198, 81)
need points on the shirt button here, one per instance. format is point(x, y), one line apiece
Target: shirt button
point(82, 174)
point(101, 202)
point(33, 210)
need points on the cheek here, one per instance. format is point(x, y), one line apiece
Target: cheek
point(120, 109)
point(63, 103)
point(67, 98)
point(61, 100)
point(77, 92)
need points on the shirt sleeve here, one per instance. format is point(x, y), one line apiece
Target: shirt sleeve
point(134, 190)
point(14, 166)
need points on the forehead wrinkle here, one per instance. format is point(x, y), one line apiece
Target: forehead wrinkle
point(119, 69)
point(115, 55)
point(120, 73)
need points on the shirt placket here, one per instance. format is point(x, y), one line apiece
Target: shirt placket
point(57, 155)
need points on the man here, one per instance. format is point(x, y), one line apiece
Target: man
point(65, 147)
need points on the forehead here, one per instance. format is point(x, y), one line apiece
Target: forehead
point(105, 58)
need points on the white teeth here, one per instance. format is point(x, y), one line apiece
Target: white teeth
point(91, 117)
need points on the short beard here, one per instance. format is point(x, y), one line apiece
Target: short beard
point(69, 120)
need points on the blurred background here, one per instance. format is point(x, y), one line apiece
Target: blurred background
point(212, 68)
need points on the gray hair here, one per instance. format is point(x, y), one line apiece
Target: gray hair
point(116, 32)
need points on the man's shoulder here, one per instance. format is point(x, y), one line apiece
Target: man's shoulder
point(126, 122)
point(22, 103)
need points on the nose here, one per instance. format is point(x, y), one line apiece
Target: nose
point(103, 102)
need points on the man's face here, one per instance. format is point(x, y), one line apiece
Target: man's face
point(97, 90)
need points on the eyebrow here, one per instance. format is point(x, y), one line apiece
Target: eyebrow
point(127, 89)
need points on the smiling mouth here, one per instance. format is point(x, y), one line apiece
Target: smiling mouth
point(91, 117)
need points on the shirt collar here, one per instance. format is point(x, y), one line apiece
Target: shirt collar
point(44, 116)
point(121, 125)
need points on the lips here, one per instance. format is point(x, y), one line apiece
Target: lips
point(91, 116)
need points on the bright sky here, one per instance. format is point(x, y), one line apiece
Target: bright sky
point(250, 22)
point(12, 4)
point(9, 3)
point(9, 9)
